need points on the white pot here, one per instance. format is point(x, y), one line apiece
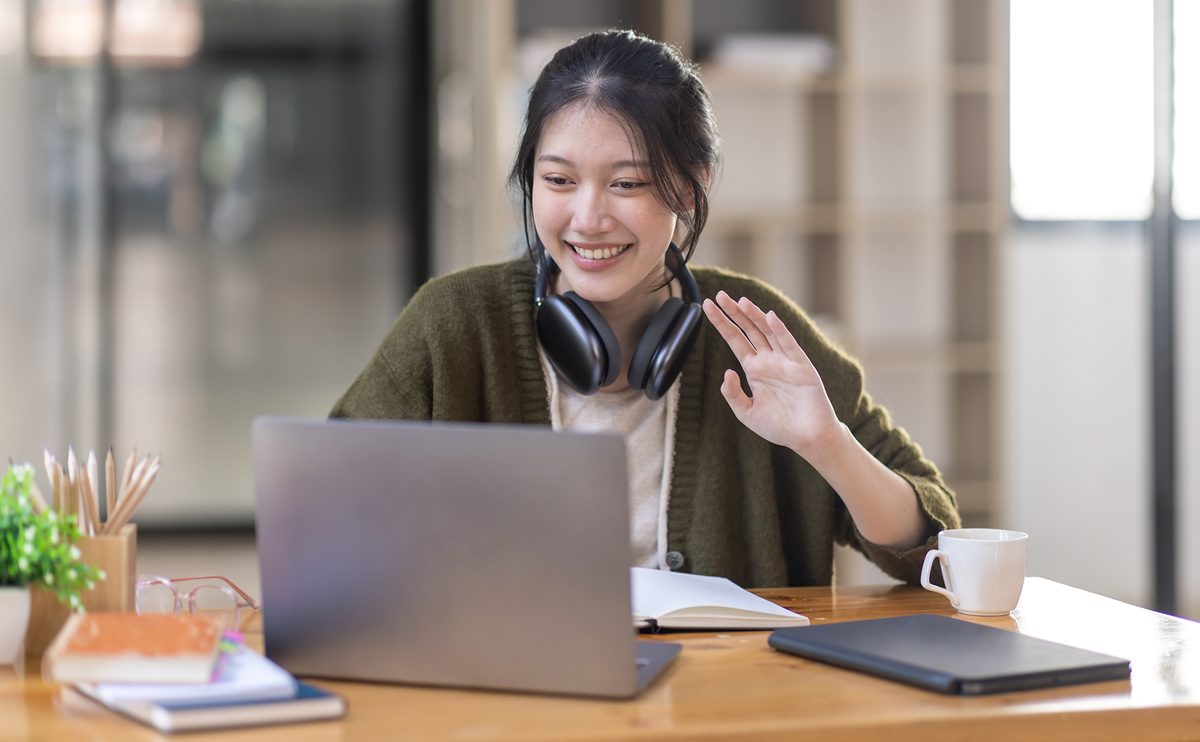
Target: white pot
point(14, 621)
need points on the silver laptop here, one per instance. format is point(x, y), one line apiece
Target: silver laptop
point(473, 555)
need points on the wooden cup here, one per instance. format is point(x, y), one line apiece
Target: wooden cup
point(116, 554)
point(47, 614)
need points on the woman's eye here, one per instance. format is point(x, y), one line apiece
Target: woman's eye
point(553, 180)
point(627, 185)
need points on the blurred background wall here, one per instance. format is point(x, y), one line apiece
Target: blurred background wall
point(219, 212)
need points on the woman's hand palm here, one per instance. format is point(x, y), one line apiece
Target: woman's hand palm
point(788, 405)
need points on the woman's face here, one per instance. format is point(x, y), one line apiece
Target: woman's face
point(595, 210)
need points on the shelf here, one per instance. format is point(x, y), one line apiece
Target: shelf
point(980, 216)
point(956, 79)
point(923, 355)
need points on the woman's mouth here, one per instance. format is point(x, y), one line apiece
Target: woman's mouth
point(602, 253)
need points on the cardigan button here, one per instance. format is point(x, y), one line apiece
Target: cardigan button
point(674, 560)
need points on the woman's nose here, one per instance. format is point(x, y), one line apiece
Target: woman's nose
point(591, 212)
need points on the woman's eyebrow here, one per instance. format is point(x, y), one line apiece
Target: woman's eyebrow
point(615, 165)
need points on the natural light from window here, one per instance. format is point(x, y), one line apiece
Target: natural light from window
point(1187, 108)
point(1082, 108)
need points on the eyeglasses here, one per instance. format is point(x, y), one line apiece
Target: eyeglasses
point(155, 594)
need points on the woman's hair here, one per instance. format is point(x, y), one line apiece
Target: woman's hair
point(655, 95)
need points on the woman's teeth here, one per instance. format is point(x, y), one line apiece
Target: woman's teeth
point(607, 252)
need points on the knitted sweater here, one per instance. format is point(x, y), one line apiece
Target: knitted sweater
point(465, 348)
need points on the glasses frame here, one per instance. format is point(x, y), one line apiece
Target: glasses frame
point(240, 598)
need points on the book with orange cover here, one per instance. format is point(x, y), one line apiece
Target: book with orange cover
point(128, 648)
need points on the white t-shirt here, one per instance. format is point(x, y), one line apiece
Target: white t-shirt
point(649, 431)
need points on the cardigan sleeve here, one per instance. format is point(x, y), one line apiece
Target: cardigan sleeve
point(397, 382)
point(872, 426)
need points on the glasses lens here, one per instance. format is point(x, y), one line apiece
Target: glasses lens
point(210, 598)
point(155, 598)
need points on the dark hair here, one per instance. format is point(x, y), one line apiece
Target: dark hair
point(660, 100)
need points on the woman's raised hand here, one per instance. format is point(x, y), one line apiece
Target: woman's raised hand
point(789, 406)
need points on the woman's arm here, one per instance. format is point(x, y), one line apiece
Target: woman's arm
point(790, 407)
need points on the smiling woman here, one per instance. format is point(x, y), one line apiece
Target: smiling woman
point(756, 448)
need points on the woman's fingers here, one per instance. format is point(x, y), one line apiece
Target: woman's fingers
point(736, 314)
point(731, 389)
point(756, 317)
point(737, 341)
point(749, 331)
point(783, 339)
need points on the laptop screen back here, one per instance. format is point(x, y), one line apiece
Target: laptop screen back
point(458, 554)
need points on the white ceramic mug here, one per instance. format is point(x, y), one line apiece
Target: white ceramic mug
point(984, 569)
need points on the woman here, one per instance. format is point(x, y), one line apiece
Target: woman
point(753, 480)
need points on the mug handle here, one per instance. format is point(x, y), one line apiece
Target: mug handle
point(930, 556)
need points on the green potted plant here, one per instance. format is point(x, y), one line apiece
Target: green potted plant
point(37, 547)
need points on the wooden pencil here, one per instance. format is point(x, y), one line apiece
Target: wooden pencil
point(134, 498)
point(36, 499)
point(134, 476)
point(87, 518)
point(48, 460)
point(110, 485)
point(93, 489)
point(52, 473)
point(126, 475)
point(73, 485)
point(60, 482)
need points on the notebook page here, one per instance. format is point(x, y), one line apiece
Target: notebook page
point(657, 593)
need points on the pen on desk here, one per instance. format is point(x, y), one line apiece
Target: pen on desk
point(131, 500)
point(110, 485)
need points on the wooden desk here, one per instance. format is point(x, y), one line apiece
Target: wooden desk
point(734, 687)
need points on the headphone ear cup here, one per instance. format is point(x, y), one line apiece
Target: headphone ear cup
point(608, 339)
point(580, 351)
point(668, 360)
point(652, 338)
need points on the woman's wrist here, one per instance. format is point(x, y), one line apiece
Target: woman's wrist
point(827, 449)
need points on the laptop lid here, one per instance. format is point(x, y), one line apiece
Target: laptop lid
point(949, 655)
point(474, 555)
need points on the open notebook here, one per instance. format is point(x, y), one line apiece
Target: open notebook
point(675, 600)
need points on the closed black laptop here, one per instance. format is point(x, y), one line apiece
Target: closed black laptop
point(949, 655)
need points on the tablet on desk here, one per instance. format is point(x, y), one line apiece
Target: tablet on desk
point(949, 655)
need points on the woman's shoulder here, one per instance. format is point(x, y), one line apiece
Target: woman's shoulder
point(475, 300)
point(480, 281)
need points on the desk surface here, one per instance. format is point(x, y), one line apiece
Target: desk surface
point(733, 686)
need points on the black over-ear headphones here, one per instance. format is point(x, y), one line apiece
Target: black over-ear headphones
point(584, 350)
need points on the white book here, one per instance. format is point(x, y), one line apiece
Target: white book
point(308, 704)
point(246, 676)
point(675, 600)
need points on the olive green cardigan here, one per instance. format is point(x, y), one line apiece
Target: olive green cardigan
point(465, 348)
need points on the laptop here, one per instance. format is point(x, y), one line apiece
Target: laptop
point(457, 554)
point(949, 655)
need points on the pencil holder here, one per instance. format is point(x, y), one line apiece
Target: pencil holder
point(47, 614)
point(116, 554)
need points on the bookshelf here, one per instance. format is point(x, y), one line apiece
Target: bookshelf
point(887, 217)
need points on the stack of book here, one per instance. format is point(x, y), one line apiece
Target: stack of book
point(180, 673)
